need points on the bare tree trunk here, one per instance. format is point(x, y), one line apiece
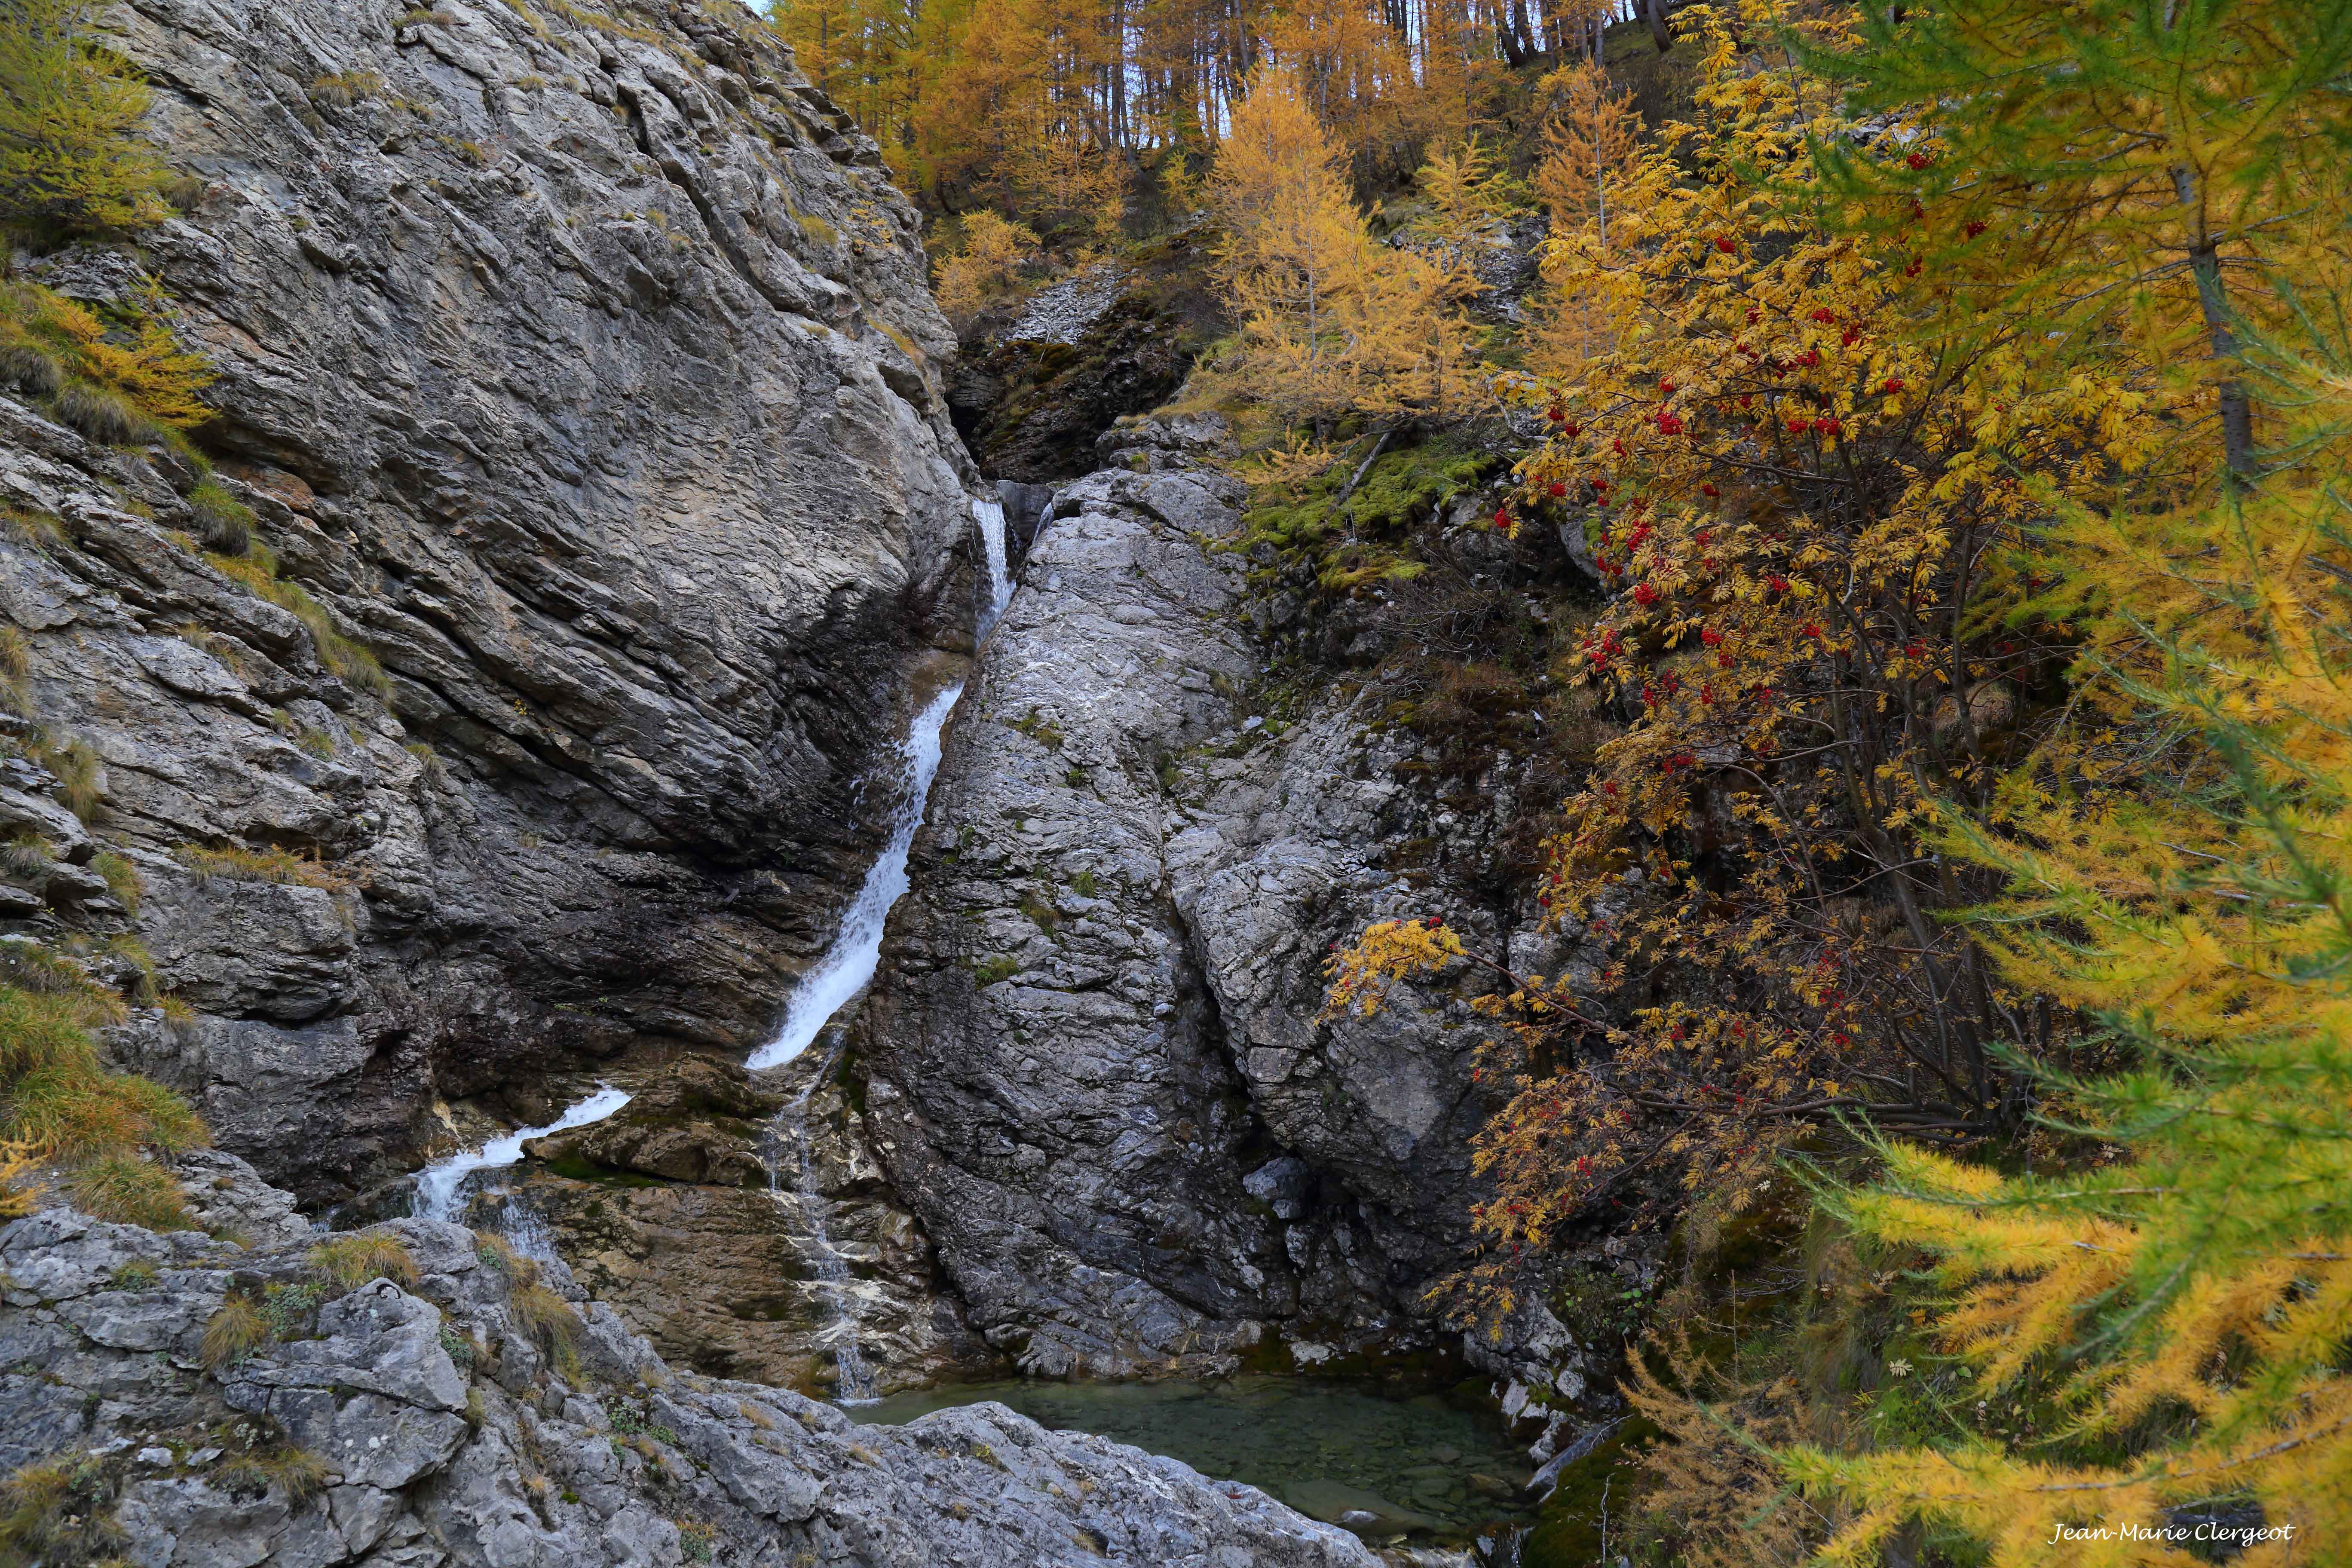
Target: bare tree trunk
point(2213, 303)
point(1655, 13)
point(1513, 53)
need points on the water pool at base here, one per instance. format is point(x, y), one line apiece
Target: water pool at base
point(1334, 1451)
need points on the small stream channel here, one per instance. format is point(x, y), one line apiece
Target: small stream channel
point(1381, 1462)
point(1428, 1467)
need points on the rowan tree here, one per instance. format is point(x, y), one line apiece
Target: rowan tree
point(1793, 484)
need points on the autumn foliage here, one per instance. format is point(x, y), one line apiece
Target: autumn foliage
point(67, 104)
point(1955, 413)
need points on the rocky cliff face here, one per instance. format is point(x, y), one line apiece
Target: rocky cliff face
point(448, 1403)
point(1094, 1061)
point(1036, 383)
point(580, 367)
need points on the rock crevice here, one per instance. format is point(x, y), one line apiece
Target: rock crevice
point(1096, 1065)
point(580, 370)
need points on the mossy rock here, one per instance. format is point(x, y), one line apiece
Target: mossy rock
point(1567, 1530)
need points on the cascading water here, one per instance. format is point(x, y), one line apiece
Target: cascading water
point(849, 963)
point(990, 515)
point(441, 1187)
point(848, 966)
point(853, 1383)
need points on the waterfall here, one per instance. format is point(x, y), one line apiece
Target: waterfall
point(848, 966)
point(849, 963)
point(990, 515)
point(440, 1186)
point(840, 976)
point(856, 1383)
point(844, 970)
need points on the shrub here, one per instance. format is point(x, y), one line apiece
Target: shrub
point(128, 1190)
point(60, 1513)
point(355, 1259)
point(19, 1187)
point(292, 1311)
point(224, 522)
point(125, 385)
point(272, 864)
point(234, 1332)
point(128, 385)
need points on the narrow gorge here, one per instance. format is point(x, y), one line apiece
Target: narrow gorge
point(577, 751)
point(1339, 784)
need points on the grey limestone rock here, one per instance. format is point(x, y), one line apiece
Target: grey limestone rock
point(579, 365)
point(1097, 1068)
point(423, 1426)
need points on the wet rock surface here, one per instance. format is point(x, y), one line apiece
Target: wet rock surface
point(486, 1413)
point(682, 1213)
point(581, 369)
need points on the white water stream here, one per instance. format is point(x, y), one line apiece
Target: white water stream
point(853, 1383)
point(856, 948)
point(990, 515)
point(848, 964)
point(441, 1187)
point(848, 967)
point(845, 970)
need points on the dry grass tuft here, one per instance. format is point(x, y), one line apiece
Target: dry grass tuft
point(298, 1472)
point(225, 522)
point(128, 1190)
point(60, 1513)
point(282, 867)
point(549, 1321)
point(354, 1260)
point(234, 1332)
